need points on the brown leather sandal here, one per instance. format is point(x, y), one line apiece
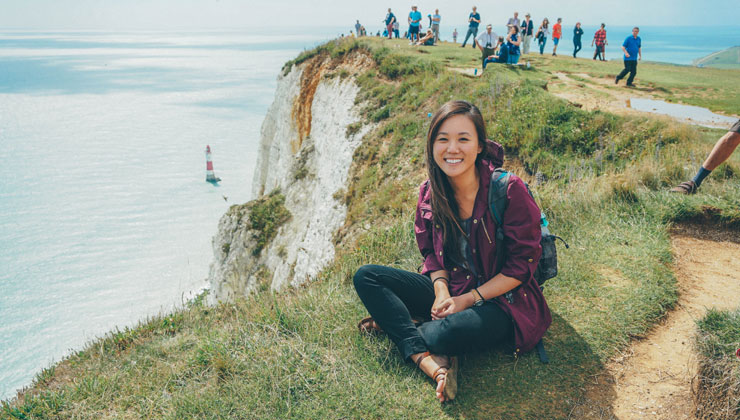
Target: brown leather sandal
point(448, 373)
point(686, 187)
point(368, 326)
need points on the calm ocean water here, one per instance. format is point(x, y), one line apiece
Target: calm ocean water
point(105, 217)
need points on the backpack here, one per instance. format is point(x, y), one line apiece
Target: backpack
point(547, 267)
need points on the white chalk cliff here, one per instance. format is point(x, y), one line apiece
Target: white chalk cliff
point(305, 151)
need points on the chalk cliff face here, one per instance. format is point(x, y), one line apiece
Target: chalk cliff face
point(305, 152)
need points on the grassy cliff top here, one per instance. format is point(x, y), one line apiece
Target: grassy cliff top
point(725, 59)
point(297, 354)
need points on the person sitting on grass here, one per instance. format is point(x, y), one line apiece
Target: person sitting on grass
point(720, 153)
point(427, 39)
point(502, 57)
point(466, 298)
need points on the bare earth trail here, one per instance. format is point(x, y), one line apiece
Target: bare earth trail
point(654, 378)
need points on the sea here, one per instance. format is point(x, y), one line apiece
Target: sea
point(105, 215)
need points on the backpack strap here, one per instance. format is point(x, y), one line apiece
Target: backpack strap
point(542, 353)
point(497, 203)
point(497, 190)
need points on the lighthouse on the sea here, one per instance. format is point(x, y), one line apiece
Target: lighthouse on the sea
point(210, 176)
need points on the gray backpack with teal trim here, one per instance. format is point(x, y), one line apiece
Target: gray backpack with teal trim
point(497, 200)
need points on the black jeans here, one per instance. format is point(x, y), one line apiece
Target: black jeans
point(630, 66)
point(393, 297)
point(577, 47)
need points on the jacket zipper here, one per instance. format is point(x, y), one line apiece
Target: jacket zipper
point(485, 230)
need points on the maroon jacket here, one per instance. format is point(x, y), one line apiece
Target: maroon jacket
point(521, 229)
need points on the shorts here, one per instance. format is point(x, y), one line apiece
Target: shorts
point(414, 29)
point(556, 40)
point(735, 127)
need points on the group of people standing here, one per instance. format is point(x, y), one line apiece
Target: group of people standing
point(519, 34)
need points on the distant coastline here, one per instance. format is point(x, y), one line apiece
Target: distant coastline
point(728, 58)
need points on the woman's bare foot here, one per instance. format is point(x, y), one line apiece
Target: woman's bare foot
point(442, 370)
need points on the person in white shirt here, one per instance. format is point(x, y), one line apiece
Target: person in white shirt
point(487, 42)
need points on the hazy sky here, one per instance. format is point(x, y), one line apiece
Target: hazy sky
point(237, 14)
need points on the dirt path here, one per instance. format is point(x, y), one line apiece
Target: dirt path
point(653, 380)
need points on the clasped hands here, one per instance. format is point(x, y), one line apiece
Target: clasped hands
point(446, 305)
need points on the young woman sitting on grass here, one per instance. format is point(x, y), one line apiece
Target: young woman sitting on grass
point(464, 299)
point(427, 39)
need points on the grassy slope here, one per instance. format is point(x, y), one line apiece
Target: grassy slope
point(297, 354)
point(718, 393)
point(725, 59)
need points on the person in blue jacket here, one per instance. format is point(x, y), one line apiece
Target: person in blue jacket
point(632, 47)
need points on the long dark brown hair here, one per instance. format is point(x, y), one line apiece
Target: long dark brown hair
point(445, 210)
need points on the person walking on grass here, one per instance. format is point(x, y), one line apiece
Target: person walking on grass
point(436, 18)
point(390, 19)
point(720, 153)
point(526, 33)
point(467, 298)
point(557, 33)
point(632, 48)
point(414, 22)
point(512, 44)
point(487, 42)
point(396, 29)
point(601, 43)
point(473, 22)
point(454, 36)
point(577, 33)
point(542, 33)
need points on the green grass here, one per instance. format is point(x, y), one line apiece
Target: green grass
point(298, 355)
point(725, 59)
point(718, 390)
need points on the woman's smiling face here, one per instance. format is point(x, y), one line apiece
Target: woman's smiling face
point(456, 146)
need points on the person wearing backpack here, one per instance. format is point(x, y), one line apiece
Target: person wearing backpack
point(474, 292)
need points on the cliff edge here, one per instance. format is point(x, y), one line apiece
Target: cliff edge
point(304, 158)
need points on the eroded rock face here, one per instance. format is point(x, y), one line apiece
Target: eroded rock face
point(307, 154)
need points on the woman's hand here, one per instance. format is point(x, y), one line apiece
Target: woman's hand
point(450, 306)
point(442, 297)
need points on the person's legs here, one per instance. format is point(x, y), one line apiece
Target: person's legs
point(602, 53)
point(526, 41)
point(624, 71)
point(633, 72)
point(576, 49)
point(486, 52)
point(392, 297)
point(389, 28)
point(513, 58)
point(435, 29)
point(475, 34)
point(476, 328)
point(555, 41)
point(470, 32)
point(722, 150)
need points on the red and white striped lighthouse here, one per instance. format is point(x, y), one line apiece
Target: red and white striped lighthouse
point(210, 176)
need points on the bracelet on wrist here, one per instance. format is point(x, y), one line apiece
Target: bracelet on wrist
point(441, 278)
